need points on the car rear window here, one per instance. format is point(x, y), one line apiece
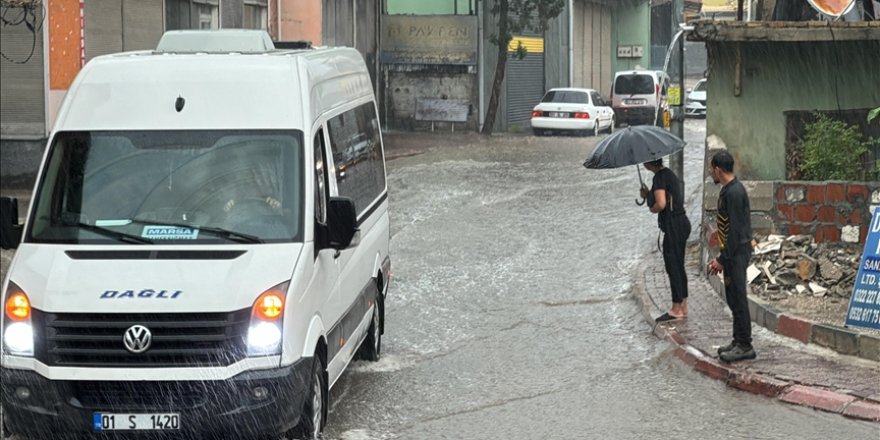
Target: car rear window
point(566, 96)
point(634, 85)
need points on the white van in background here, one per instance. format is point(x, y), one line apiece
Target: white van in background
point(194, 261)
point(639, 97)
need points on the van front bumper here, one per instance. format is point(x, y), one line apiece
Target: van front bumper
point(224, 408)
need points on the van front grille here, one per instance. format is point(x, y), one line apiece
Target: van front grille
point(118, 396)
point(178, 339)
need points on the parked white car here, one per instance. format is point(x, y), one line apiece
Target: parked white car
point(572, 110)
point(696, 100)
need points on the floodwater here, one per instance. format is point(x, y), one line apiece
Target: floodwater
point(510, 314)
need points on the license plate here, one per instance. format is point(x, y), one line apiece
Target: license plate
point(136, 422)
point(635, 101)
point(558, 115)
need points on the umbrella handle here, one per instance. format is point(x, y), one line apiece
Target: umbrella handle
point(642, 183)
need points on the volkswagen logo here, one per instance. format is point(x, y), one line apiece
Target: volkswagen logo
point(137, 339)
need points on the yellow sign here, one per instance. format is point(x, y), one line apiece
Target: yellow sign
point(667, 119)
point(531, 44)
point(674, 96)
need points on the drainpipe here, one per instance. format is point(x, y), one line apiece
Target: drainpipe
point(481, 64)
point(278, 18)
point(570, 45)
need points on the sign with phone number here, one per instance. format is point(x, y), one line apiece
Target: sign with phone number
point(864, 305)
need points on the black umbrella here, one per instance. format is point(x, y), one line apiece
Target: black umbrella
point(633, 146)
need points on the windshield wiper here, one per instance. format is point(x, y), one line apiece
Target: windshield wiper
point(121, 236)
point(225, 233)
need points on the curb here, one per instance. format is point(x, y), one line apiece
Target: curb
point(841, 340)
point(783, 390)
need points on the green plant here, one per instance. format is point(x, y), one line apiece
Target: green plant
point(873, 114)
point(833, 150)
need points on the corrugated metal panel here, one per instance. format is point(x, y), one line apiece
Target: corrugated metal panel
point(592, 46)
point(22, 93)
point(103, 26)
point(525, 86)
point(142, 26)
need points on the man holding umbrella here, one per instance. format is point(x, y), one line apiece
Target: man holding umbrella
point(666, 199)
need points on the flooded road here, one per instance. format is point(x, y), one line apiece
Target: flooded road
point(510, 313)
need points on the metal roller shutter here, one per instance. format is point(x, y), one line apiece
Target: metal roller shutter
point(103, 26)
point(142, 25)
point(22, 96)
point(525, 86)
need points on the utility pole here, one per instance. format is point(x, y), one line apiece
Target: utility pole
point(676, 161)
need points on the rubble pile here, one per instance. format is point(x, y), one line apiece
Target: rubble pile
point(795, 265)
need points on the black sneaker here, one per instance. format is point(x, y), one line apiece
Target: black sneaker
point(727, 347)
point(739, 353)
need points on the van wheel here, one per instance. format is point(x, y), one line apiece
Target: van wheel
point(372, 346)
point(312, 419)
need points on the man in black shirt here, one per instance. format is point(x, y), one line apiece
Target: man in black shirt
point(735, 239)
point(666, 199)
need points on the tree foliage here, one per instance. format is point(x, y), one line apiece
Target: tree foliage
point(514, 17)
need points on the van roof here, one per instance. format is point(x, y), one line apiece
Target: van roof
point(654, 73)
point(239, 90)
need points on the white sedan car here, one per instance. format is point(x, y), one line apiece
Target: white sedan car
point(696, 100)
point(572, 110)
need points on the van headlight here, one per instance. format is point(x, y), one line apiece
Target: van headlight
point(267, 319)
point(18, 333)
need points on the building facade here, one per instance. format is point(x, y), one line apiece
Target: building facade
point(41, 61)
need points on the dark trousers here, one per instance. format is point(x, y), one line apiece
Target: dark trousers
point(735, 290)
point(674, 244)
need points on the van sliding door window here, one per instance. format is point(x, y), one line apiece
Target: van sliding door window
point(120, 187)
point(357, 155)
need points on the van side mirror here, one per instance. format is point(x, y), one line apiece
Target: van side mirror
point(10, 230)
point(690, 90)
point(342, 227)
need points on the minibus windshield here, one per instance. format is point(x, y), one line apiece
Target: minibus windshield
point(164, 187)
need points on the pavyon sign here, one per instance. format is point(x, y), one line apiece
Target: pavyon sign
point(429, 39)
point(864, 305)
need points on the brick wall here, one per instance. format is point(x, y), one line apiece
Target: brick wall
point(829, 211)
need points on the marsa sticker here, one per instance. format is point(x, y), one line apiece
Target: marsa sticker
point(169, 233)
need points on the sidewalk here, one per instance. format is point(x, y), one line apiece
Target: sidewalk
point(785, 369)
